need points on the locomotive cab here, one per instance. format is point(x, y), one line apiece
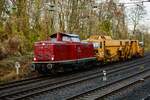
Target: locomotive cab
point(64, 37)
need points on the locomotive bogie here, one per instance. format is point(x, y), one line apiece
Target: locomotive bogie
point(62, 66)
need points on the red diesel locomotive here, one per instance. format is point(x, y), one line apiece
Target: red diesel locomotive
point(62, 52)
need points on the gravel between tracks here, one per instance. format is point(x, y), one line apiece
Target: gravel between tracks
point(141, 92)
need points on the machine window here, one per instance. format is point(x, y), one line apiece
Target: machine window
point(141, 44)
point(96, 45)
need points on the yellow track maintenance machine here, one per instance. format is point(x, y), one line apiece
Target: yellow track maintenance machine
point(108, 49)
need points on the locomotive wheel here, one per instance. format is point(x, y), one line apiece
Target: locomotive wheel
point(42, 69)
point(53, 71)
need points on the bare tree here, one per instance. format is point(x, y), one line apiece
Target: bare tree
point(136, 15)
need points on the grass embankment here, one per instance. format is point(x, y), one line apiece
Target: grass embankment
point(8, 71)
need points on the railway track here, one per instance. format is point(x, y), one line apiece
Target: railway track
point(22, 82)
point(35, 79)
point(110, 88)
point(54, 84)
point(42, 78)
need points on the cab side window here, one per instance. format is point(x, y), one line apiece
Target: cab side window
point(66, 38)
point(75, 39)
point(53, 39)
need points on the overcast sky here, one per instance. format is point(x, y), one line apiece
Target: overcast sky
point(146, 20)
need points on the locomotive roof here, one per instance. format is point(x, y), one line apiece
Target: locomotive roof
point(65, 34)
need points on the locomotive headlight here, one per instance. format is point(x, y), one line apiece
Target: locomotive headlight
point(34, 59)
point(52, 58)
point(43, 44)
